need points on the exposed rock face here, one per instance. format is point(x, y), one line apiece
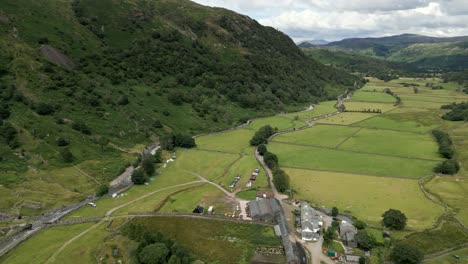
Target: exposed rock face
point(55, 56)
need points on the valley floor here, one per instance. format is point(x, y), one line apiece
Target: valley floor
point(373, 157)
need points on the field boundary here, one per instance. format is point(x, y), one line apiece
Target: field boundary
point(348, 137)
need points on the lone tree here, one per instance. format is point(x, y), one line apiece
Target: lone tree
point(154, 254)
point(394, 219)
point(404, 253)
point(334, 212)
point(138, 177)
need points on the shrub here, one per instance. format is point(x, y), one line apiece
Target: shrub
point(138, 177)
point(61, 142)
point(359, 224)
point(449, 167)
point(82, 127)
point(365, 240)
point(404, 253)
point(66, 155)
point(102, 190)
point(44, 109)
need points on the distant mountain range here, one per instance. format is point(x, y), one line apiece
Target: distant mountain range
point(312, 43)
point(417, 50)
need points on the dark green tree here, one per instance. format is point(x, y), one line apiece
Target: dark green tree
point(158, 156)
point(154, 254)
point(66, 155)
point(280, 179)
point(449, 167)
point(362, 260)
point(262, 135)
point(365, 240)
point(262, 149)
point(270, 159)
point(138, 177)
point(61, 142)
point(329, 235)
point(102, 190)
point(394, 219)
point(147, 164)
point(404, 253)
point(359, 224)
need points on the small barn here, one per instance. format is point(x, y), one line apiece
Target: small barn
point(348, 233)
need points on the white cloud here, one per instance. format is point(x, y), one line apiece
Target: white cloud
point(337, 19)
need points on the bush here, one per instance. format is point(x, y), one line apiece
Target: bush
point(123, 100)
point(359, 224)
point(44, 109)
point(102, 190)
point(82, 127)
point(147, 164)
point(281, 180)
point(66, 155)
point(365, 240)
point(138, 177)
point(404, 253)
point(173, 140)
point(449, 167)
point(154, 254)
point(394, 219)
point(61, 142)
point(334, 212)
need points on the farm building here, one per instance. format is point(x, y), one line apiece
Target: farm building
point(264, 209)
point(347, 233)
point(311, 223)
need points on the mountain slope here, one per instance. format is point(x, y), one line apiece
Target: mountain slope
point(83, 80)
point(420, 51)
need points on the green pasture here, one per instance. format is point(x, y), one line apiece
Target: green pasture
point(364, 106)
point(452, 191)
point(42, 245)
point(450, 259)
point(346, 118)
point(345, 161)
point(235, 141)
point(395, 143)
point(245, 166)
point(279, 122)
point(320, 109)
point(413, 120)
point(318, 135)
point(433, 98)
point(459, 138)
point(370, 96)
point(213, 240)
point(206, 195)
point(448, 234)
point(365, 197)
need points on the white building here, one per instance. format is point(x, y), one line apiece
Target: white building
point(311, 223)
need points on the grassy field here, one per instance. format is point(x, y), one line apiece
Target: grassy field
point(370, 96)
point(344, 161)
point(458, 135)
point(409, 120)
point(318, 135)
point(236, 141)
point(206, 196)
point(450, 259)
point(365, 197)
point(449, 234)
point(280, 122)
point(41, 246)
point(346, 118)
point(393, 143)
point(214, 241)
point(452, 191)
point(363, 106)
point(244, 166)
point(320, 109)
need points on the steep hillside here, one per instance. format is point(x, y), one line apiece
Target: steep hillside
point(420, 51)
point(368, 66)
point(85, 84)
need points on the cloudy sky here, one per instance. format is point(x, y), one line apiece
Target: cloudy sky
point(338, 19)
